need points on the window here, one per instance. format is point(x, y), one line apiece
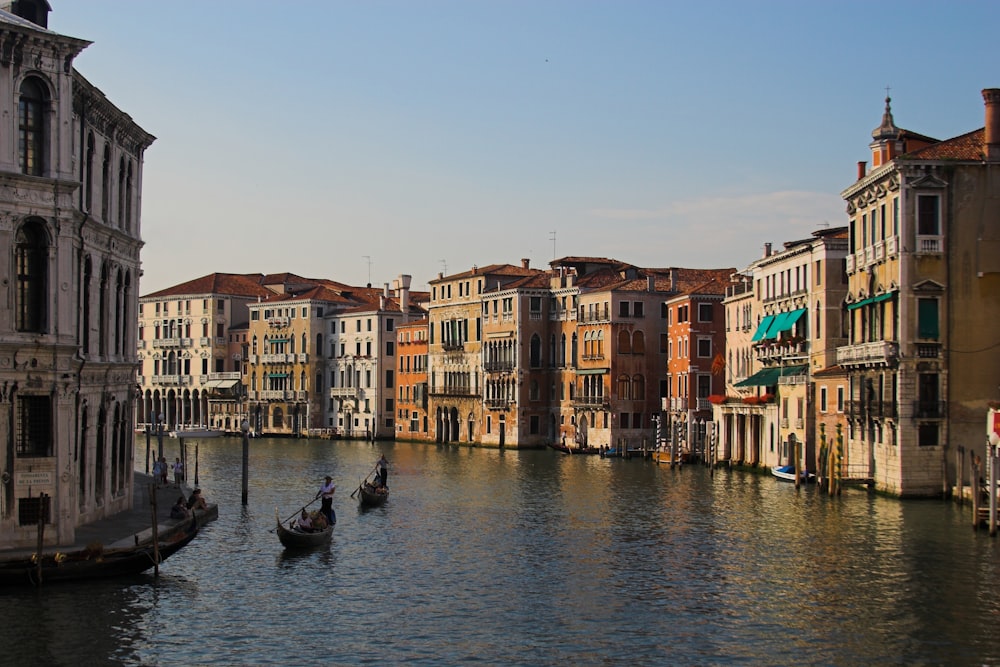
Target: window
point(623, 309)
point(705, 347)
point(31, 127)
point(705, 312)
point(32, 256)
point(535, 305)
point(927, 318)
point(928, 215)
point(822, 399)
point(390, 348)
point(637, 309)
point(34, 419)
point(840, 399)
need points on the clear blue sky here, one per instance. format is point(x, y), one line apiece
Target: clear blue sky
point(312, 136)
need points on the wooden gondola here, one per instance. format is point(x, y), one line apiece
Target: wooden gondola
point(93, 562)
point(371, 495)
point(293, 538)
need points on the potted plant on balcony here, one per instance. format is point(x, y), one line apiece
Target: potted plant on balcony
point(717, 399)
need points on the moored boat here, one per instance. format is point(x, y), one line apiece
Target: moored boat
point(94, 562)
point(787, 474)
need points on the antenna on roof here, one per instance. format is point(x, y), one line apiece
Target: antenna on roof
point(444, 266)
point(552, 237)
point(369, 258)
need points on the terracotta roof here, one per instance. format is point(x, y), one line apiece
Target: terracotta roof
point(968, 146)
point(232, 284)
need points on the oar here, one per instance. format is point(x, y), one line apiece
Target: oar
point(362, 482)
point(296, 513)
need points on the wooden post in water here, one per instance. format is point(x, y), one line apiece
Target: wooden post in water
point(245, 427)
point(794, 442)
point(959, 470)
point(992, 448)
point(41, 535)
point(156, 531)
point(975, 492)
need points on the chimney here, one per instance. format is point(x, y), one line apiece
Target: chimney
point(404, 293)
point(381, 302)
point(650, 284)
point(767, 250)
point(525, 263)
point(673, 280)
point(991, 140)
point(861, 169)
point(385, 290)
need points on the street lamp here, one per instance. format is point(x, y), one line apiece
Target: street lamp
point(245, 428)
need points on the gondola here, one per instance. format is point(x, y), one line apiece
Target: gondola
point(293, 538)
point(93, 562)
point(372, 496)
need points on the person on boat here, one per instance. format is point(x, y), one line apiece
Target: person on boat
point(180, 509)
point(327, 491)
point(196, 501)
point(178, 473)
point(383, 471)
point(304, 523)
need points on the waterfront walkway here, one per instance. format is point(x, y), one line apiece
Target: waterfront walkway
point(133, 526)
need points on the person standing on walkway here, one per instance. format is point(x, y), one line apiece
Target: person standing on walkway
point(164, 469)
point(327, 491)
point(178, 473)
point(156, 472)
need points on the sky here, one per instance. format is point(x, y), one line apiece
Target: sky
point(357, 141)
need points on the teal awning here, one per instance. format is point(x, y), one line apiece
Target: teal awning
point(277, 375)
point(762, 328)
point(871, 299)
point(777, 326)
point(275, 341)
point(769, 376)
point(592, 371)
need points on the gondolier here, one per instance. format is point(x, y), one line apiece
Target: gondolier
point(326, 492)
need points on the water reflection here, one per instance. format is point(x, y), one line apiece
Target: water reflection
point(535, 558)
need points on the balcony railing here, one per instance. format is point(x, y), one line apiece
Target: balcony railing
point(453, 391)
point(498, 366)
point(930, 245)
point(928, 350)
point(277, 358)
point(343, 392)
point(591, 401)
point(167, 342)
point(929, 409)
point(877, 352)
point(500, 403)
point(276, 395)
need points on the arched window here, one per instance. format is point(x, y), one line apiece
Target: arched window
point(535, 356)
point(32, 272)
point(102, 325)
point(624, 392)
point(88, 180)
point(638, 343)
point(562, 350)
point(121, 193)
point(600, 344)
point(106, 184)
point(128, 198)
point(638, 388)
point(573, 348)
point(624, 342)
point(31, 127)
point(533, 390)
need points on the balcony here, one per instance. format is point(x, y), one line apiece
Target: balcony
point(171, 379)
point(929, 409)
point(343, 392)
point(166, 342)
point(453, 391)
point(876, 353)
point(303, 358)
point(592, 402)
point(204, 342)
point(277, 322)
point(876, 410)
point(930, 245)
point(231, 375)
point(777, 351)
point(499, 403)
point(498, 366)
point(928, 350)
point(276, 395)
point(452, 346)
point(849, 263)
point(277, 358)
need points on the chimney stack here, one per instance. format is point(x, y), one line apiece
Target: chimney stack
point(991, 140)
point(767, 250)
point(862, 167)
point(650, 284)
point(525, 263)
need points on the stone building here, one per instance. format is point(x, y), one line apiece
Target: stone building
point(70, 191)
point(923, 297)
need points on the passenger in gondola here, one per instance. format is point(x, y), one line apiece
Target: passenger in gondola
point(304, 523)
point(180, 510)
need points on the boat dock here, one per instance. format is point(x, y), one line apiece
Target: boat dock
point(132, 527)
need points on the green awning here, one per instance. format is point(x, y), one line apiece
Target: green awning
point(777, 326)
point(762, 328)
point(275, 341)
point(882, 297)
point(871, 299)
point(277, 375)
point(768, 377)
point(592, 371)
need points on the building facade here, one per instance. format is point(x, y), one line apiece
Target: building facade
point(924, 290)
point(70, 191)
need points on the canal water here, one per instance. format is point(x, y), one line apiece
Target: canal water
point(486, 557)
